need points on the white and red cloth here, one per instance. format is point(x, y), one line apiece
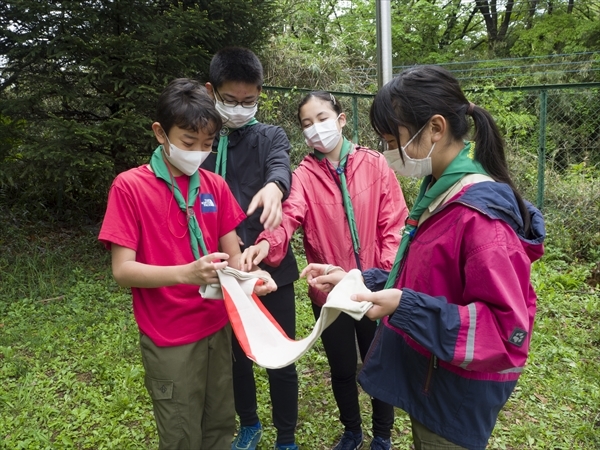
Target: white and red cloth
point(261, 337)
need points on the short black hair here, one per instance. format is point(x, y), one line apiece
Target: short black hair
point(186, 103)
point(235, 64)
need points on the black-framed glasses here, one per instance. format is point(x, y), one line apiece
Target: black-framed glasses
point(233, 104)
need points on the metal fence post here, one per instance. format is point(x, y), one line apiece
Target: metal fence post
point(355, 119)
point(542, 149)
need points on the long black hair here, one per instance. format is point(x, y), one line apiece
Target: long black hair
point(413, 97)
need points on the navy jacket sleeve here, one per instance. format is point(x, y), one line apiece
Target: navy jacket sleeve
point(431, 321)
point(375, 279)
point(278, 161)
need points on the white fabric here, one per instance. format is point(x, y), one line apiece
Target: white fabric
point(247, 281)
point(265, 342)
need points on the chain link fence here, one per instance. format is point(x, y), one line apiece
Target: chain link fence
point(552, 137)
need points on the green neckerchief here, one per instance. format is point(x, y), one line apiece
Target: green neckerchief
point(160, 169)
point(221, 166)
point(341, 170)
point(463, 164)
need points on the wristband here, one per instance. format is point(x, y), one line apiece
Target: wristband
point(279, 184)
point(330, 268)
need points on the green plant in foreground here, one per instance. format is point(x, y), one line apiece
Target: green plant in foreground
point(71, 375)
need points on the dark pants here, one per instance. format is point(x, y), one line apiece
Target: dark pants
point(283, 383)
point(339, 340)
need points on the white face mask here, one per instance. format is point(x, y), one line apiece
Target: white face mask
point(188, 161)
point(416, 168)
point(323, 136)
point(235, 116)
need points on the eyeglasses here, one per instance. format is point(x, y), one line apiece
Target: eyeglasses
point(233, 104)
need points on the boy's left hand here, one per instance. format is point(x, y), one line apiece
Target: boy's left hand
point(266, 287)
point(269, 197)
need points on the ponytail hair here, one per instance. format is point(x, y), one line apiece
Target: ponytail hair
point(413, 97)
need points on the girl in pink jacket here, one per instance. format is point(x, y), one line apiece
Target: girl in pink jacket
point(458, 306)
point(351, 208)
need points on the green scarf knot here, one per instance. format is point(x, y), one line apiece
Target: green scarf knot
point(160, 169)
point(462, 165)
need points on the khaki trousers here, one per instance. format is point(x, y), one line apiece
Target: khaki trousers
point(426, 439)
point(192, 392)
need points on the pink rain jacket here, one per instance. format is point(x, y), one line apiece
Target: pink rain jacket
point(315, 203)
point(452, 352)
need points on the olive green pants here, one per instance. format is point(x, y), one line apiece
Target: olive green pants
point(426, 439)
point(192, 392)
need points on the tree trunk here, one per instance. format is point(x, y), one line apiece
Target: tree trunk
point(506, 21)
point(490, 24)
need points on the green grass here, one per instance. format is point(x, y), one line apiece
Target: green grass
point(71, 374)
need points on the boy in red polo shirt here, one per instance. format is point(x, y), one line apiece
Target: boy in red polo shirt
point(170, 226)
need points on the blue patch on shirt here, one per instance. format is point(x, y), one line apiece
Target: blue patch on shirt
point(208, 204)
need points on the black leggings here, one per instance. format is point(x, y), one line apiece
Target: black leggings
point(339, 340)
point(283, 383)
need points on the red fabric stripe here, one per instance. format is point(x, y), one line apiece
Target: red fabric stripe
point(237, 325)
point(269, 316)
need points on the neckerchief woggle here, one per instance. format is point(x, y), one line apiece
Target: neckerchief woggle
point(160, 169)
point(348, 208)
point(221, 164)
point(462, 165)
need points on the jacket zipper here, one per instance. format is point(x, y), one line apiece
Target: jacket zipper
point(433, 365)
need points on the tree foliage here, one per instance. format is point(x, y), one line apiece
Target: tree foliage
point(83, 77)
point(79, 80)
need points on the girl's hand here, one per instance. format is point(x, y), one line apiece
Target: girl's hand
point(323, 277)
point(264, 287)
point(384, 302)
point(253, 255)
point(204, 270)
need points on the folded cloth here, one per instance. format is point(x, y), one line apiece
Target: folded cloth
point(214, 292)
point(261, 337)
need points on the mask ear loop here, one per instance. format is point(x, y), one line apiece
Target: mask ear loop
point(172, 178)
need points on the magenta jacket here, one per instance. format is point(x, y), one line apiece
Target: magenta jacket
point(452, 352)
point(315, 204)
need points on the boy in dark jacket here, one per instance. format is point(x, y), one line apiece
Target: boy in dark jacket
point(253, 158)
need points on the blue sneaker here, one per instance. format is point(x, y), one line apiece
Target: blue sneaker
point(247, 438)
point(350, 441)
point(379, 443)
point(292, 446)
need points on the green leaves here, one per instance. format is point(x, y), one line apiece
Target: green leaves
point(82, 80)
point(71, 375)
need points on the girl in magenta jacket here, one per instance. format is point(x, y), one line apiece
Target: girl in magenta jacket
point(458, 306)
point(351, 208)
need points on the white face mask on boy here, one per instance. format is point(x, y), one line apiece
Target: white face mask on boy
point(188, 161)
point(323, 136)
point(235, 116)
point(416, 168)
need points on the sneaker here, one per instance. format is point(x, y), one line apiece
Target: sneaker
point(247, 438)
point(350, 441)
point(379, 443)
point(292, 446)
